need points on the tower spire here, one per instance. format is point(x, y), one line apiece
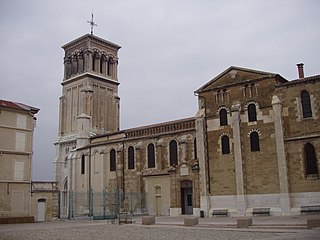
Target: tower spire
point(92, 23)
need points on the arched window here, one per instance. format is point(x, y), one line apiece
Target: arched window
point(130, 157)
point(254, 142)
point(225, 145)
point(93, 62)
point(195, 148)
point(311, 165)
point(83, 164)
point(173, 150)
point(113, 162)
point(252, 112)
point(109, 70)
point(223, 117)
point(101, 64)
point(151, 156)
point(306, 104)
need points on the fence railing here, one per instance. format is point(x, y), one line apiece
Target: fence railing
point(104, 205)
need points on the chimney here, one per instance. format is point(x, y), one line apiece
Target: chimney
point(300, 70)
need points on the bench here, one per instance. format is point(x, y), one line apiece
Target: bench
point(220, 212)
point(309, 209)
point(265, 211)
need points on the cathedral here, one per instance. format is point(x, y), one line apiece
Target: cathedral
point(253, 144)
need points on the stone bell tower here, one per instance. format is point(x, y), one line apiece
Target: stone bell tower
point(90, 93)
point(90, 85)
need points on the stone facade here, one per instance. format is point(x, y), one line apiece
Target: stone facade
point(253, 143)
point(17, 123)
point(273, 173)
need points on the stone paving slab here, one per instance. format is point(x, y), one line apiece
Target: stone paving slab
point(173, 229)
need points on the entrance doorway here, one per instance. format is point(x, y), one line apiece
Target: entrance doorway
point(158, 201)
point(41, 216)
point(186, 197)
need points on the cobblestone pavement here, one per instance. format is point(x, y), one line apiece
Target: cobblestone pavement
point(78, 230)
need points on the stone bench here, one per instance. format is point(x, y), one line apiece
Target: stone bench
point(14, 220)
point(309, 209)
point(220, 212)
point(191, 221)
point(148, 220)
point(244, 222)
point(313, 223)
point(265, 211)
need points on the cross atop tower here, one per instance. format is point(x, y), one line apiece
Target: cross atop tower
point(92, 23)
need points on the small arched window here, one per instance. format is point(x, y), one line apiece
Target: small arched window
point(93, 62)
point(109, 70)
point(151, 156)
point(311, 165)
point(223, 117)
point(252, 112)
point(101, 64)
point(83, 164)
point(254, 142)
point(195, 148)
point(225, 145)
point(113, 162)
point(306, 104)
point(173, 150)
point(130, 157)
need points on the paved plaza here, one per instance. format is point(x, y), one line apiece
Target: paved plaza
point(263, 228)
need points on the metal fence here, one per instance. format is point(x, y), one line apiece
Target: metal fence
point(105, 205)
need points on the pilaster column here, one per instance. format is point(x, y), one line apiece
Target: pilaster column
point(281, 155)
point(235, 122)
point(200, 125)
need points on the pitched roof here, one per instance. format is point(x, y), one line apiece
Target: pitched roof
point(300, 81)
point(91, 37)
point(215, 79)
point(19, 106)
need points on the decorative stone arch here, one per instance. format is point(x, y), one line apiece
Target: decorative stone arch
point(221, 146)
point(223, 113)
point(254, 135)
point(246, 109)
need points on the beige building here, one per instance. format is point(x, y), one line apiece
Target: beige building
point(17, 122)
point(253, 144)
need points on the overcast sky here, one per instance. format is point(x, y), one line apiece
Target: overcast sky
point(169, 49)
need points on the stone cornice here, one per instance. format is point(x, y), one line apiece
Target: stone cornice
point(90, 37)
point(88, 74)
